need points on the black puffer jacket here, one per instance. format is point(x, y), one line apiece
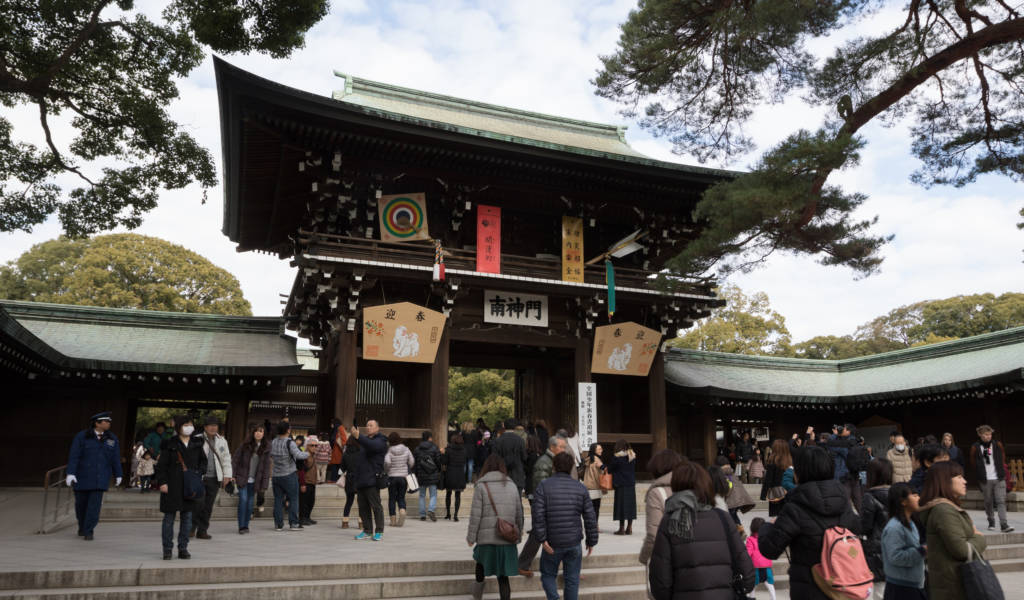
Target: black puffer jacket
point(874, 514)
point(809, 510)
point(700, 569)
point(428, 463)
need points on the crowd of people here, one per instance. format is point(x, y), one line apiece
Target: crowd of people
point(904, 521)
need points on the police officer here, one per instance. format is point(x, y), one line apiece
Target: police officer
point(95, 458)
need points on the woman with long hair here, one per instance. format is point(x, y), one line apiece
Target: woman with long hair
point(949, 530)
point(454, 459)
point(495, 496)
point(399, 462)
point(696, 545)
point(874, 516)
point(353, 461)
point(660, 467)
point(780, 462)
point(623, 469)
point(251, 466)
point(592, 476)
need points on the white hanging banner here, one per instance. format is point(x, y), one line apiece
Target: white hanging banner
point(587, 396)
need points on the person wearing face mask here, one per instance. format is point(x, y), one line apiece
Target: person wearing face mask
point(902, 463)
point(950, 531)
point(177, 454)
point(988, 457)
point(95, 457)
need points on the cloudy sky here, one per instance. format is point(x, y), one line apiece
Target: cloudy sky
point(540, 56)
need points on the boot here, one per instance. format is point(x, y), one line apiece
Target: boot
point(621, 530)
point(478, 590)
point(394, 521)
point(629, 528)
point(344, 522)
point(401, 517)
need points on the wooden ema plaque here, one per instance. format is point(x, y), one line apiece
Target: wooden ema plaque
point(402, 332)
point(624, 349)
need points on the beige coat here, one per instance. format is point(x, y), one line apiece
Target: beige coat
point(482, 520)
point(654, 503)
point(902, 465)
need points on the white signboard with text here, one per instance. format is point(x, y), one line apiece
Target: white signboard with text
point(588, 415)
point(513, 308)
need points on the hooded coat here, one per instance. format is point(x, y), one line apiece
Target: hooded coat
point(809, 509)
point(168, 472)
point(949, 530)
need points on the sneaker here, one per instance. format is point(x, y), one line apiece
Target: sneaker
point(378, 537)
point(295, 528)
point(432, 516)
point(243, 531)
point(184, 555)
point(991, 526)
point(423, 518)
point(1006, 528)
point(363, 536)
point(167, 555)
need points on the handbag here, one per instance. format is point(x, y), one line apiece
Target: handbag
point(980, 581)
point(411, 483)
point(738, 588)
point(506, 531)
point(341, 481)
point(192, 487)
point(605, 481)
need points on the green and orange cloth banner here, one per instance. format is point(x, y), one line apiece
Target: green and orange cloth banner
point(403, 217)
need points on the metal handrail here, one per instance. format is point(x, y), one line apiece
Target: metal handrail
point(63, 501)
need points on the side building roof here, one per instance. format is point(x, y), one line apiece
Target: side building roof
point(127, 340)
point(957, 365)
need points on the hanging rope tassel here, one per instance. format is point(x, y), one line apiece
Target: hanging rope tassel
point(438, 261)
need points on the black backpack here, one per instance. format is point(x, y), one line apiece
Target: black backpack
point(427, 464)
point(857, 459)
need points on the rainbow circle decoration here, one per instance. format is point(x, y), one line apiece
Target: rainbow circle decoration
point(403, 217)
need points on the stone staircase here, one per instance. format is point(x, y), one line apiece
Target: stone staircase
point(606, 577)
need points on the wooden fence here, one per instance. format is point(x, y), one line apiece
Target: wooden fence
point(1017, 469)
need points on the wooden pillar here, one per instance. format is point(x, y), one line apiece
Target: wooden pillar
point(439, 390)
point(656, 400)
point(238, 418)
point(710, 443)
point(344, 363)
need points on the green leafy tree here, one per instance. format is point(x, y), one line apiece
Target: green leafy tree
point(745, 325)
point(480, 393)
point(113, 68)
point(123, 270)
point(833, 347)
point(695, 71)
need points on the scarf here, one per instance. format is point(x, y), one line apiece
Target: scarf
point(681, 510)
point(629, 453)
point(986, 451)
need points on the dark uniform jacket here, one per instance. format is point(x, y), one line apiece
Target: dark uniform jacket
point(810, 508)
point(168, 471)
point(93, 461)
point(700, 569)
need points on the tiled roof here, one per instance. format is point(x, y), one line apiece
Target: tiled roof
point(138, 340)
point(498, 122)
point(948, 366)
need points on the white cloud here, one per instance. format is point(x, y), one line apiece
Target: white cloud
point(541, 55)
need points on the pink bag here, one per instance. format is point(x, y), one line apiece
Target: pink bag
point(843, 573)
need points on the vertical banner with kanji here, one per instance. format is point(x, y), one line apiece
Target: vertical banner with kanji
point(588, 414)
point(488, 239)
point(572, 249)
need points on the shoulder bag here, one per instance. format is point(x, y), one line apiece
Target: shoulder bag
point(191, 482)
point(980, 581)
point(738, 591)
point(506, 531)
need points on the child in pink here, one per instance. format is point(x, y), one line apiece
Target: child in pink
point(762, 566)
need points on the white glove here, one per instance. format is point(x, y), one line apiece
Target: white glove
point(117, 481)
point(71, 479)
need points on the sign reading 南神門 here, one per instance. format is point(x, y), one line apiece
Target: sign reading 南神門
point(624, 349)
point(402, 332)
point(513, 308)
point(587, 396)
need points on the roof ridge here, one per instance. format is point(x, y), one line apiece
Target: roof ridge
point(21, 309)
point(353, 84)
point(991, 339)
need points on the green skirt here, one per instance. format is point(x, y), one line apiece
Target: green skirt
point(502, 561)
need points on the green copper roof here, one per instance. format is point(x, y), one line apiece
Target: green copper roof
point(948, 366)
point(498, 122)
point(139, 340)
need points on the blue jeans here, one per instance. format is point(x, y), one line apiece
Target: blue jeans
point(423, 498)
point(571, 559)
point(286, 485)
point(167, 531)
point(469, 470)
point(246, 499)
